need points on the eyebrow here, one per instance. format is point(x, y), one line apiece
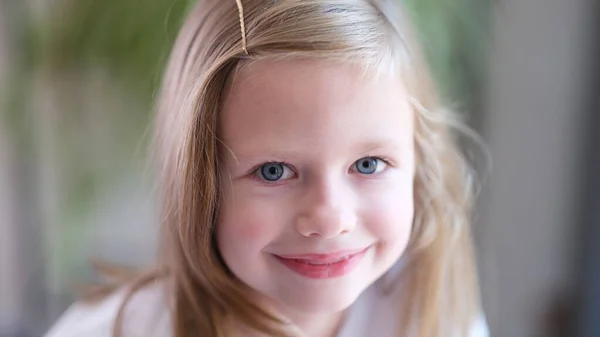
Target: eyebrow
point(249, 154)
point(377, 145)
point(246, 155)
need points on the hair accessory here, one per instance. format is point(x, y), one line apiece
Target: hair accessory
point(242, 24)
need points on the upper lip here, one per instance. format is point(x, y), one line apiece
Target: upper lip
point(323, 257)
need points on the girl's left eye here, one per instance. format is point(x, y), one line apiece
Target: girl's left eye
point(369, 165)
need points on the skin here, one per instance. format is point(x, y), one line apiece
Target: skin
point(318, 119)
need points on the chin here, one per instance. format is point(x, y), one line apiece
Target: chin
point(320, 301)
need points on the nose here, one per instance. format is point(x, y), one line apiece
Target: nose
point(326, 211)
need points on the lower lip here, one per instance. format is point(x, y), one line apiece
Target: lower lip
point(323, 271)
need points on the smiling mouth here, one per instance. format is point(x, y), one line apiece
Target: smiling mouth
point(321, 266)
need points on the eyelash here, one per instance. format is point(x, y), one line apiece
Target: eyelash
point(255, 171)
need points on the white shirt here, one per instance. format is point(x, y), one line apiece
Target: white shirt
point(146, 315)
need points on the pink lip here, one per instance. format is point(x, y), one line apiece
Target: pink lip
point(320, 266)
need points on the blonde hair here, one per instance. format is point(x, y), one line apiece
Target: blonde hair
point(440, 287)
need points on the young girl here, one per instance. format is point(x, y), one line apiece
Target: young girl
point(311, 184)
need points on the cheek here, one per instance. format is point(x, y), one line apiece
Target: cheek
point(240, 235)
point(241, 228)
point(246, 225)
point(389, 216)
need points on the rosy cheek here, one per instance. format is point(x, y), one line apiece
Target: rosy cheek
point(250, 230)
point(391, 218)
point(247, 223)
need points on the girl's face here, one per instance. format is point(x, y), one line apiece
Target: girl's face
point(317, 189)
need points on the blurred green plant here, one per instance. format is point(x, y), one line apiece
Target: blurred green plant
point(66, 46)
point(130, 38)
point(455, 38)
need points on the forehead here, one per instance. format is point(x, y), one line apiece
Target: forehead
point(309, 103)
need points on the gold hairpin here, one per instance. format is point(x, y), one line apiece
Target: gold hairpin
point(242, 24)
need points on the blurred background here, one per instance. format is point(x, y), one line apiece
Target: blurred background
point(77, 79)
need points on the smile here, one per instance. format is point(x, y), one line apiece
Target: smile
point(321, 266)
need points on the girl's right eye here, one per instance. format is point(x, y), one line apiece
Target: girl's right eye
point(272, 172)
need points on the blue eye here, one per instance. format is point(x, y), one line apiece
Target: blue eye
point(369, 165)
point(272, 171)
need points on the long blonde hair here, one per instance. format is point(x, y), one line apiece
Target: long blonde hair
point(441, 296)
